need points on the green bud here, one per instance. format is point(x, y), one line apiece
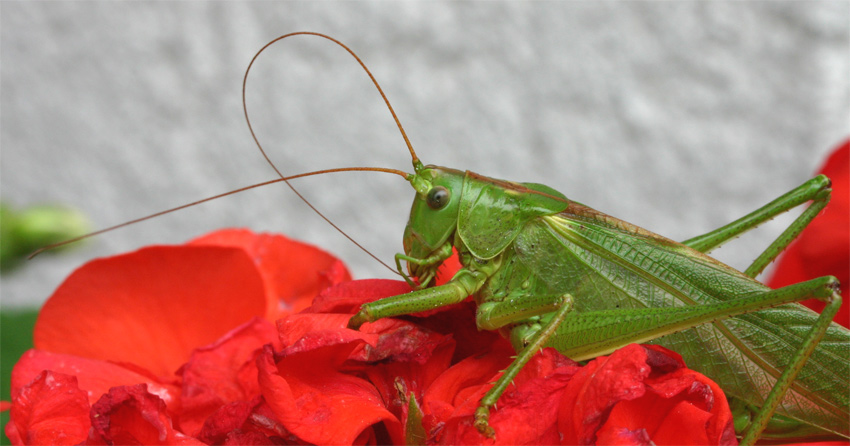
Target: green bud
point(24, 231)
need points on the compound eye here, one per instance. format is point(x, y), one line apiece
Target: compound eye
point(438, 197)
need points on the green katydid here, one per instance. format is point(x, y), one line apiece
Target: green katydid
point(548, 271)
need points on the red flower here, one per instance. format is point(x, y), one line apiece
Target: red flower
point(187, 321)
point(176, 345)
point(637, 395)
point(51, 409)
point(823, 248)
point(647, 395)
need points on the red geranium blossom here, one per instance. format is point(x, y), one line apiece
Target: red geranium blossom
point(239, 338)
point(823, 248)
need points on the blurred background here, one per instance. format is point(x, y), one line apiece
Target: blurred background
point(676, 116)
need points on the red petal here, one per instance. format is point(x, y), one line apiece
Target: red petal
point(224, 420)
point(668, 404)
point(396, 381)
point(446, 391)
point(662, 359)
point(131, 415)
point(151, 307)
point(316, 402)
point(449, 268)
point(400, 341)
point(623, 436)
point(458, 321)
point(684, 424)
point(94, 377)
point(721, 429)
point(250, 438)
point(242, 422)
point(454, 395)
point(310, 331)
point(223, 372)
point(597, 387)
point(383, 339)
point(347, 297)
point(294, 272)
point(526, 412)
point(49, 410)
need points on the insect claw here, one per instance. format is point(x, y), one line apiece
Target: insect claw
point(357, 320)
point(482, 414)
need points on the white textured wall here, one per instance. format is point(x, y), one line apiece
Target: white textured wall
point(677, 116)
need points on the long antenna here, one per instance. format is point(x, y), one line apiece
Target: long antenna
point(415, 159)
point(194, 203)
point(283, 178)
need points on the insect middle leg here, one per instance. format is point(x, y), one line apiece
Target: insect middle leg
point(535, 344)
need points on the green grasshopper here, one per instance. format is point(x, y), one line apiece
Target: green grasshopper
point(547, 271)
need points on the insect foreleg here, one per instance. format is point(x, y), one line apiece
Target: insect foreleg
point(464, 283)
point(537, 342)
point(816, 190)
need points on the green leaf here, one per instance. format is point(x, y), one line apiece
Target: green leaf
point(15, 339)
point(414, 432)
